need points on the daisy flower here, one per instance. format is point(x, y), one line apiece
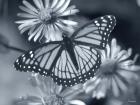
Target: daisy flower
point(50, 93)
point(115, 74)
point(46, 19)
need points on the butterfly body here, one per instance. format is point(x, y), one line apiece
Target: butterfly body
point(73, 60)
point(69, 46)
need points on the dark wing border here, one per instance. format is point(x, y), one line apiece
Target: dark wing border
point(111, 24)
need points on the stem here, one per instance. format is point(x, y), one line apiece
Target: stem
point(14, 48)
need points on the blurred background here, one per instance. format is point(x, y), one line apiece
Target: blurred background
point(127, 32)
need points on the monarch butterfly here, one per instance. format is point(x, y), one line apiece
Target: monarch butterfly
point(73, 60)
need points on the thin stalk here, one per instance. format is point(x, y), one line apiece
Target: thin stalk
point(13, 48)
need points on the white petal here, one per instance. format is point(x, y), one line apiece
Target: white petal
point(115, 88)
point(35, 32)
point(64, 7)
point(59, 33)
point(127, 75)
point(68, 92)
point(89, 89)
point(28, 10)
point(108, 51)
point(129, 51)
point(25, 29)
point(122, 86)
point(113, 48)
point(32, 30)
point(41, 3)
point(64, 27)
point(121, 54)
point(38, 34)
point(59, 89)
point(22, 26)
point(46, 30)
point(26, 25)
point(54, 3)
point(92, 85)
point(69, 22)
point(47, 4)
point(124, 57)
point(29, 6)
point(77, 102)
point(69, 12)
point(134, 68)
point(113, 43)
point(52, 33)
point(26, 15)
point(27, 21)
point(59, 25)
point(38, 3)
point(109, 83)
point(115, 52)
point(72, 7)
point(136, 58)
point(34, 103)
point(103, 55)
point(101, 89)
point(59, 5)
point(99, 95)
point(104, 85)
point(126, 63)
point(127, 55)
point(69, 29)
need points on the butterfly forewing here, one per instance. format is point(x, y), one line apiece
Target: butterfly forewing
point(95, 33)
point(39, 60)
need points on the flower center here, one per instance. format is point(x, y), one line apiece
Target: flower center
point(108, 67)
point(45, 15)
point(54, 100)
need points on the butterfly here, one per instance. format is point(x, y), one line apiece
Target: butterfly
point(74, 59)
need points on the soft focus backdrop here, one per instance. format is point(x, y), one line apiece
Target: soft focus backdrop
point(127, 32)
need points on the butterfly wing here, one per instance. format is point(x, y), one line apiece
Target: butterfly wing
point(41, 59)
point(65, 73)
point(53, 60)
point(95, 33)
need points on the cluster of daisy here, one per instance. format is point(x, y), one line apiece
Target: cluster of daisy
point(46, 20)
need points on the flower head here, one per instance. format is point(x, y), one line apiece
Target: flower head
point(116, 73)
point(46, 19)
point(50, 93)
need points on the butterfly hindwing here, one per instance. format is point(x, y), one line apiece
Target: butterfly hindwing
point(65, 72)
point(95, 33)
